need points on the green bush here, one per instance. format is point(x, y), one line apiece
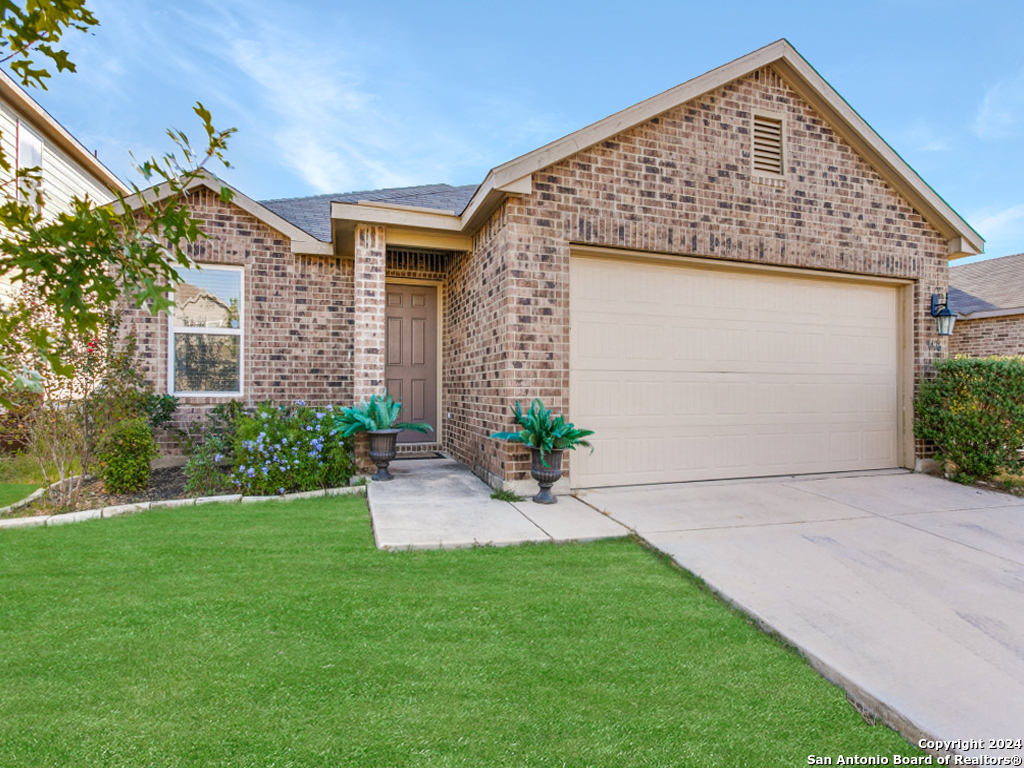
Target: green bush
point(208, 464)
point(973, 411)
point(124, 456)
point(281, 449)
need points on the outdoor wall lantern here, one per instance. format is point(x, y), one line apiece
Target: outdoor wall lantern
point(945, 317)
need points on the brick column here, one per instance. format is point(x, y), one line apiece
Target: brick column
point(368, 336)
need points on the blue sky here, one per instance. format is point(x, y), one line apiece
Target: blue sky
point(342, 96)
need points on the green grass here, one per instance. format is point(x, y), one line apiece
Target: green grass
point(20, 468)
point(276, 635)
point(10, 493)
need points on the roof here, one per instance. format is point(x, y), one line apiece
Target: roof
point(57, 134)
point(313, 214)
point(515, 176)
point(989, 286)
point(301, 241)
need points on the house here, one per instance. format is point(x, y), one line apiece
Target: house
point(729, 279)
point(988, 298)
point(31, 138)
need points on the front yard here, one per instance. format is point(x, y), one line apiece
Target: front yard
point(275, 634)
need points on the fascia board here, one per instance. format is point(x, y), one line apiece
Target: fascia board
point(813, 88)
point(301, 241)
point(962, 240)
point(57, 134)
point(984, 313)
point(396, 215)
point(525, 165)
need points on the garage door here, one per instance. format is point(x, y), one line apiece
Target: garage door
point(692, 373)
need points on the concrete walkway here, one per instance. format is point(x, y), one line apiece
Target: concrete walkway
point(439, 503)
point(907, 590)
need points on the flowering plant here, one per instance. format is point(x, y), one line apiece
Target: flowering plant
point(279, 449)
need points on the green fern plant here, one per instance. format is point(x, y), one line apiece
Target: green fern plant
point(544, 431)
point(372, 415)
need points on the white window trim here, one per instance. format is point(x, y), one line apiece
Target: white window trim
point(240, 332)
point(30, 192)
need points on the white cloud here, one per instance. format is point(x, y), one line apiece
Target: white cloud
point(327, 127)
point(1001, 114)
point(1003, 230)
point(921, 137)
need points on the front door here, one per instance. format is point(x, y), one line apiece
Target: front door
point(411, 360)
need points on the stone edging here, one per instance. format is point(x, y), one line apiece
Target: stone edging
point(130, 509)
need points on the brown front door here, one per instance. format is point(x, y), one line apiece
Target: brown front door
point(411, 364)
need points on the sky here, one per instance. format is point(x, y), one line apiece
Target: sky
point(338, 96)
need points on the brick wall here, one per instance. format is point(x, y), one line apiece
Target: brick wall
point(476, 370)
point(681, 184)
point(299, 315)
point(988, 336)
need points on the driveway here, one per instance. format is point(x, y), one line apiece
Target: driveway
point(907, 590)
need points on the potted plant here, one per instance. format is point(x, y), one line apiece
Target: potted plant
point(377, 417)
point(546, 436)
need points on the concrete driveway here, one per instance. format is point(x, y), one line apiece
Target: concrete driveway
point(907, 590)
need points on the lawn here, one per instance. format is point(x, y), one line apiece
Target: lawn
point(12, 492)
point(276, 635)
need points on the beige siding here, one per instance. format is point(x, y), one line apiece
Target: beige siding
point(689, 373)
point(63, 179)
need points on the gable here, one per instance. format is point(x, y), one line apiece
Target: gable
point(686, 179)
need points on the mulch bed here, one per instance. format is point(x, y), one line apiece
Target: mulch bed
point(164, 483)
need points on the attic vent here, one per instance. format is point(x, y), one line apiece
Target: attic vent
point(768, 145)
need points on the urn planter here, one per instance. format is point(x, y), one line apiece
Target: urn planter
point(546, 476)
point(382, 451)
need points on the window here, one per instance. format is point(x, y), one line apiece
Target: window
point(30, 155)
point(205, 350)
point(768, 155)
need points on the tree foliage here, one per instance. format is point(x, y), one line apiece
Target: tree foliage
point(79, 262)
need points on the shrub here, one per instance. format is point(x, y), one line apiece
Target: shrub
point(159, 408)
point(973, 410)
point(207, 468)
point(280, 449)
point(124, 456)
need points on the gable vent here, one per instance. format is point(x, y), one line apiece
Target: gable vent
point(768, 145)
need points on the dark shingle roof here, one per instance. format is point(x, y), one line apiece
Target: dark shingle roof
point(989, 284)
point(313, 214)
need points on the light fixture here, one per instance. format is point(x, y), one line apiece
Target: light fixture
point(945, 317)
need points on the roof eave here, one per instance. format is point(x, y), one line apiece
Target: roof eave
point(515, 176)
point(58, 135)
point(301, 241)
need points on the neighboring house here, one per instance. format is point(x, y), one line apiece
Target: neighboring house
point(31, 138)
point(988, 298)
point(729, 279)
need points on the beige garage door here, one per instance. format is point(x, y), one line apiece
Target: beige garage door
point(689, 373)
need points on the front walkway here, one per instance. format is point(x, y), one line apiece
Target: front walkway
point(439, 503)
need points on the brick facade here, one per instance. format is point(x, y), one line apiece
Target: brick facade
point(678, 184)
point(988, 336)
point(681, 184)
point(299, 315)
